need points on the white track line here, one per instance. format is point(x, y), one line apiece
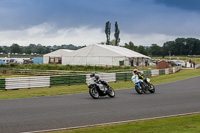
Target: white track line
point(76, 127)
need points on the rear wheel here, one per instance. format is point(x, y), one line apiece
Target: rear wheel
point(152, 88)
point(94, 93)
point(111, 92)
point(138, 89)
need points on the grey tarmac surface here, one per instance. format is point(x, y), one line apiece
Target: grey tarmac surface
point(53, 112)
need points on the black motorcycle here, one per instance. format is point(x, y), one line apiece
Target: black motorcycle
point(100, 88)
point(143, 86)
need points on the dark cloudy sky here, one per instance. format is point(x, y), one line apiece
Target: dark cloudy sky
point(82, 22)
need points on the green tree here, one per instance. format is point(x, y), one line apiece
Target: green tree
point(141, 49)
point(15, 48)
point(131, 46)
point(107, 32)
point(112, 42)
point(117, 32)
point(155, 49)
point(169, 48)
point(39, 49)
point(6, 49)
point(1, 49)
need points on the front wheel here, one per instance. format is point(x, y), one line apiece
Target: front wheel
point(94, 93)
point(152, 88)
point(138, 89)
point(111, 92)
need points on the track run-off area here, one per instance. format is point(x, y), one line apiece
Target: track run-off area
point(78, 110)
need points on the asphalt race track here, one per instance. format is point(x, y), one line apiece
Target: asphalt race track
point(53, 112)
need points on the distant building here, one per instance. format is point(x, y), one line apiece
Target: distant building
point(55, 56)
point(162, 65)
point(38, 60)
point(104, 55)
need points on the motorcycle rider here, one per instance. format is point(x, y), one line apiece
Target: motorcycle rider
point(140, 75)
point(97, 78)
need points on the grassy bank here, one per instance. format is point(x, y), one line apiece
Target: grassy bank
point(12, 76)
point(182, 124)
point(60, 90)
point(71, 68)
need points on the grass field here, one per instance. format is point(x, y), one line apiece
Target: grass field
point(60, 90)
point(181, 124)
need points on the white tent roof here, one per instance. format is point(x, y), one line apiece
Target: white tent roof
point(58, 53)
point(106, 51)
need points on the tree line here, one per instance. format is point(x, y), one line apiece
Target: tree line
point(33, 48)
point(179, 47)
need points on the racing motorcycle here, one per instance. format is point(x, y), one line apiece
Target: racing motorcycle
point(100, 88)
point(142, 86)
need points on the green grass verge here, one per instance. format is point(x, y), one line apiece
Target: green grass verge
point(181, 124)
point(60, 90)
point(12, 76)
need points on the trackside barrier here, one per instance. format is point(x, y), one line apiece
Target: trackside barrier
point(147, 73)
point(161, 71)
point(154, 72)
point(175, 69)
point(27, 82)
point(109, 77)
point(67, 80)
point(48, 81)
point(2, 84)
point(197, 66)
point(127, 76)
point(166, 71)
point(123, 76)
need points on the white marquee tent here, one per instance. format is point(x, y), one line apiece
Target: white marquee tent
point(104, 55)
point(55, 54)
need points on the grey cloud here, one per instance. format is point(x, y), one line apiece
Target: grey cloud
point(192, 5)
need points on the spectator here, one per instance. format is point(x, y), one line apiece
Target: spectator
point(194, 65)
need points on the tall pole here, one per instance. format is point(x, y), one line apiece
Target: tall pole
point(170, 54)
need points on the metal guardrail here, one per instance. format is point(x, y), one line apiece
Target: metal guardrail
point(27, 82)
point(37, 72)
point(197, 66)
point(67, 80)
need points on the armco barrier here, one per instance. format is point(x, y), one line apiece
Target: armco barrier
point(27, 82)
point(147, 73)
point(109, 77)
point(67, 80)
point(2, 84)
point(197, 66)
point(47, 81)
point(161, 71)
point(166, 71)
point(175, 69)
point(123, 76)
point(154, 72)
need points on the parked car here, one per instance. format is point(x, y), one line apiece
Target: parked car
point(179, 62)
point(152, 64)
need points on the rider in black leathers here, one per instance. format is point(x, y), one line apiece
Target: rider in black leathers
point(97, 79)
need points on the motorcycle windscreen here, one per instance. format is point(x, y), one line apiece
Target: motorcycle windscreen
point(134, 79)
